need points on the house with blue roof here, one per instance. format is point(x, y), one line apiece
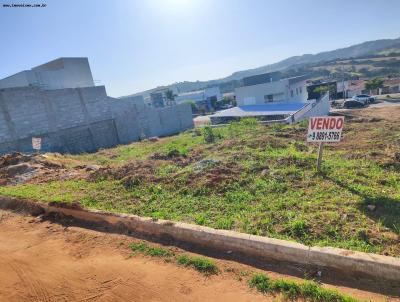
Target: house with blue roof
point(267, 97)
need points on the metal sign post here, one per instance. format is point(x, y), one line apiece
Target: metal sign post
point(319, 159)
point(324, 129)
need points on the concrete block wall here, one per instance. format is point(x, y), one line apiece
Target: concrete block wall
point(135, 122)
point(81, 120)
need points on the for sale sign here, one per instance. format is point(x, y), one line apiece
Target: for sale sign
point(36, 143)
point(325, 129)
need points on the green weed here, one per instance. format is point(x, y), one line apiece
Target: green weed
point(144, 248)
point(310, 291)
point(201, 264)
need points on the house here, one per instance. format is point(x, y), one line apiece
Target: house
point(202, 98)
point(391, 86)
point(317, 88)
point(162, 96)
point(158, 98)
point(269, 87)
point(268, 98)
point(284, 112)
point(350, 88)
point(57, 74)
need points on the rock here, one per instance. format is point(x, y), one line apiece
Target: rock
point(264, 172)
point(206, 163)
point(397, 156)
point(18, 169)
point(371, 207)
point(92, 168)
point(154, 139)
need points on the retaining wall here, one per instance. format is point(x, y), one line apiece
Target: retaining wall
point(349, 262)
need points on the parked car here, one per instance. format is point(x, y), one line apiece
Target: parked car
point(363, 98)
point(353, 103)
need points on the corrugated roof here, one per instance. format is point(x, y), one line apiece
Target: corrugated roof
point(261, 110)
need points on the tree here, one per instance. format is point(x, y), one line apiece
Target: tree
point(321, 89)
point(374, 84)
point(169, 94)
point(193, 104)
point(214, 102)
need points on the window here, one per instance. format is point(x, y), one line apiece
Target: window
point(301, 90)
point(297, 91)
point(268, 98)
point(291, 93)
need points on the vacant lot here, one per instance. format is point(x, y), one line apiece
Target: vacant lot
point(245, 177)
point(45, 261)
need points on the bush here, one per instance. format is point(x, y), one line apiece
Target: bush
point(176, 151)
point(208, 134)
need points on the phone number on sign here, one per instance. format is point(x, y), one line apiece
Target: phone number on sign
point(325, 136)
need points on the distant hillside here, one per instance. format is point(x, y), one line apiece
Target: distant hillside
point(297, 64)
point(358, 50)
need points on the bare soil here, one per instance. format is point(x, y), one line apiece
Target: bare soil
point(42, 261)
point(17, 168)
point(45, 261)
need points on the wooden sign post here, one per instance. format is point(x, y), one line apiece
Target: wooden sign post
point(324, 129)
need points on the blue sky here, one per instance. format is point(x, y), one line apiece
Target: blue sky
point(140, 44)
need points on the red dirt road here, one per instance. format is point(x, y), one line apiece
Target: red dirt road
point(41, 261)
point(44, 261)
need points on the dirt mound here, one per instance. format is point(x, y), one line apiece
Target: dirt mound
point(176, 157)
point(131, 174)
point(217, 177)
point(17, 168)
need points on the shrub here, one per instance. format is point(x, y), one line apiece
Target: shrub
point(201, 264)
point(208, 134)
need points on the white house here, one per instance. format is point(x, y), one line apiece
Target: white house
point(57, 74)
point(268, 87)
point(200, 95)
point(351, 87)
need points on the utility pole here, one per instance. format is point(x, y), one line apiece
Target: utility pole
point(344, 91)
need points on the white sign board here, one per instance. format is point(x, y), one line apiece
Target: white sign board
point(36, 143)
point(325, 129)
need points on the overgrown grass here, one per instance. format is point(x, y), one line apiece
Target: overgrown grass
point(201, 264)
point(309, 291)
point(262, 181)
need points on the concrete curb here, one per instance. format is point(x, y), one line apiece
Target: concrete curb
point(351, 262)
